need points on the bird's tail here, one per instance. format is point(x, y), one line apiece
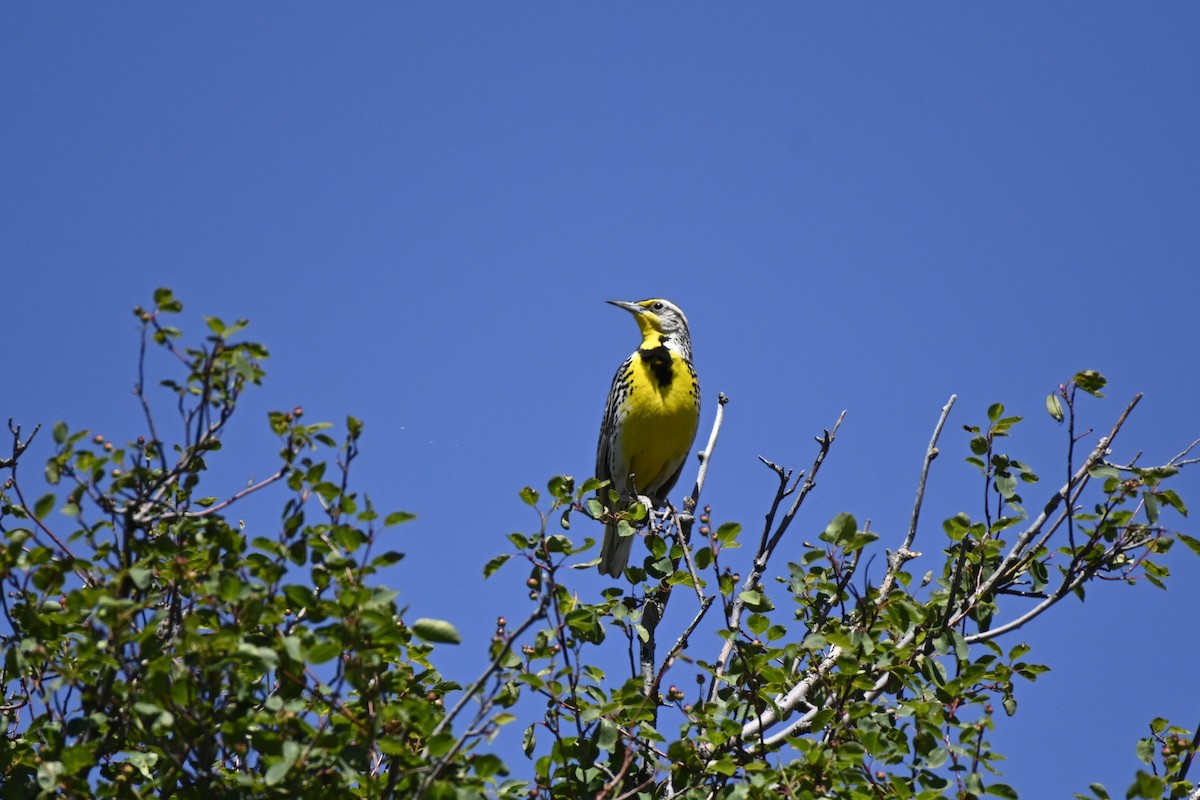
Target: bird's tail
point(614, 553)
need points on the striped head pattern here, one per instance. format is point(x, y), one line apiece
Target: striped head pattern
point(662, 324)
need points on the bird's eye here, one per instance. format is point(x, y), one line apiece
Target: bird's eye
point(658, 306)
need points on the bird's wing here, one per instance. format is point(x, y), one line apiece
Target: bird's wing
point(604, 454)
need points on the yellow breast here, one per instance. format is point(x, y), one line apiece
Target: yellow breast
point(660, 417)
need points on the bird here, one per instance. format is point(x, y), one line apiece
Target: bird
point(650, 419)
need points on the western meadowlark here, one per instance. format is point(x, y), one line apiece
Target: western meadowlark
point(650, 419)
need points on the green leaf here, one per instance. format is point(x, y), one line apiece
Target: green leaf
point(590, 485)
point(1054, 407)
point(440, 744)
point(323, 651)
point(1192, 542)
point(840, 530)
point(1172, 499)
point(1145, 785)
point(47, 774)
point(397, 517)
point(437, 631)
point(1151, 508)
point(1002, 790)
point(725, 766)
point(43, 506)
point(279, 769)
point(77, 757)
point(164, 300)
point(529, 495)
point(607, 738)
point(727, 534)
point(956, 527)
point(293, 647)
point(529, 741)
point(814, 641)
point(1006, 485)
point(1091, 382)
point(140, 576)
point(496, 563)
point(387, 558)
point(60, 432)
point(486, 765)
point(561, 487)
point(994, 411)
point(755, 600)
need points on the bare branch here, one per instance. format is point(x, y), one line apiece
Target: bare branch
point(687, 552)
point(897, 559)
point(140, 392)
point(706, 453)
point(810, 482)
point(930, 454)
point(18, 447)
point(682, 641)
point(767, 548)
point(1180, 458)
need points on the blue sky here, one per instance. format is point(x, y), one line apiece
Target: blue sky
point(422, 208)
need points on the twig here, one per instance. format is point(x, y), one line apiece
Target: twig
point(1179, 459)
point(781, 494)
point(810, 483)
point(140, 391)
point(930, 454)
point(767, 548)
point(265, 482)
point(19, 447)
point(706, 453)
point(682, 641)
point(687, 551)
point(1067, 587)
point(897, 559)
point(501, 654)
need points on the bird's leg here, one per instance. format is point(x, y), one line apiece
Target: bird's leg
point(647, 503)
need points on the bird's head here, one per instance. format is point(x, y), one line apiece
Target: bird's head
point(661, 322)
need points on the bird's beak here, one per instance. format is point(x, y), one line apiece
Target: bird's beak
point(632, 308)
